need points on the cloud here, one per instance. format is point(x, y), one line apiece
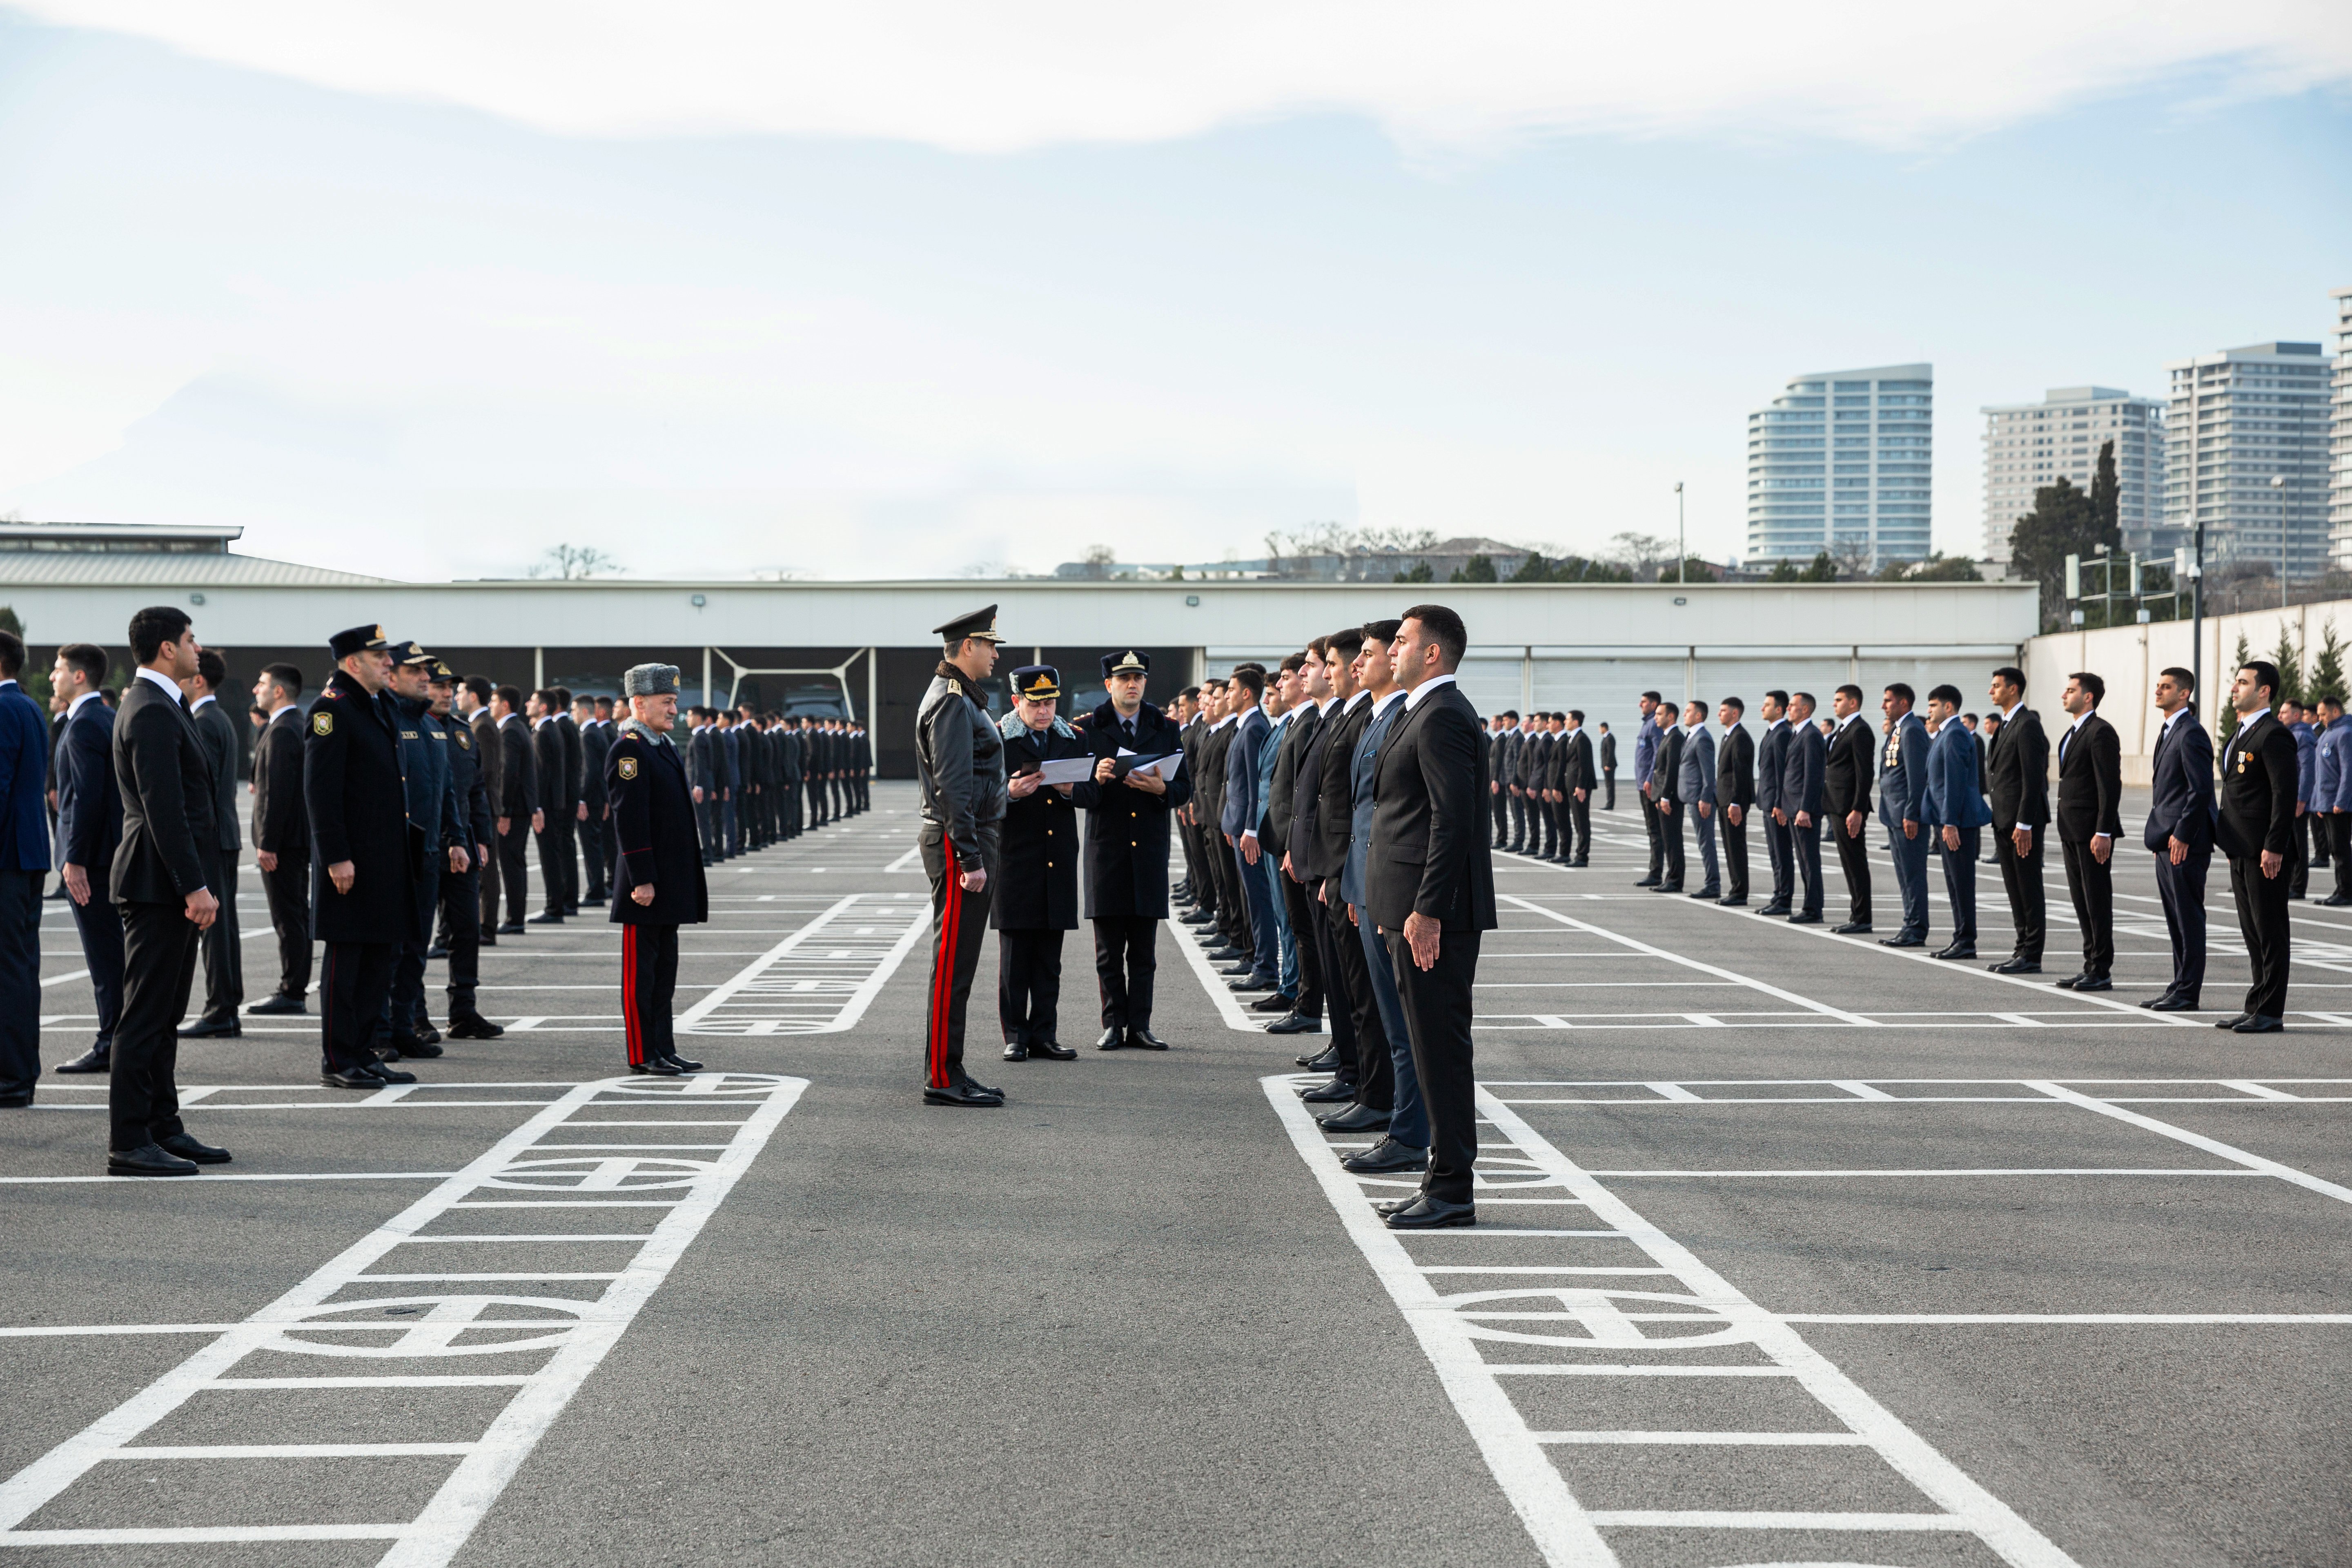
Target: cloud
point(1020, 74)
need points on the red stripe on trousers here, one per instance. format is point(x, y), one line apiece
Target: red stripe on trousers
point(631, 1031)
point(944, 968)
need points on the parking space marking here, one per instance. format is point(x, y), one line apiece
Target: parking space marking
point(2212, 1146)
point(788, 991)
point(1820, 1009)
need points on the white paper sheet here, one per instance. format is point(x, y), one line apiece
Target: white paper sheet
point(1068, 770)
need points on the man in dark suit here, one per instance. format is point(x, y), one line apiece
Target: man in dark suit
point(1772, 764)
point(475, 697)
point(2090, 796)
point(1387, 1100)
point(2017, 773)
point(1359, 1057)
point(1579, 779)
point(1430, 885)
point(24, 868)
point(559, 806)
point(519, 814)
point(1645, 755)
point(1735, 796)
point(1129, 816)
point(165, 872)
point(575, 811)
point(1311, 683)
point(1498, 799)
point(596, 740)
point(2180, 833)
point(1608, 768)
point(1800, 808)
point(223, 957)
point(1238, 820)
point(1849, 762)
point(657, 879)
point(1954, 817)
point(1665, 813)
point(2256, 830)
point(1901, 790)
point(282, 834)
point(89, 827)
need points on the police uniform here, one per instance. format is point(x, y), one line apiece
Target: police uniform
point(1126, 861)
point(356, 788)
point(959, 767)
point(432, 796)
point(461, 893)
point(653, 817)
point(1036, 899)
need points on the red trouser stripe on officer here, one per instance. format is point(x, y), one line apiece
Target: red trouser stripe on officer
point(629, 1024)
point(943, 969)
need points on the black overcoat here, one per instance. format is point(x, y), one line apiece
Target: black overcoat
point(355, 787)
point(1036, 886)
point(653, 818)
point(1127, 828)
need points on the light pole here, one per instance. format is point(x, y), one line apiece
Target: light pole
point(2278, 488)
point(1682, 548)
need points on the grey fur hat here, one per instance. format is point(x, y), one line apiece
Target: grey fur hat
point(650, 680)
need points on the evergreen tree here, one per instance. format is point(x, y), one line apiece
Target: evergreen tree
point(9, 621)
point(2245, 656)
point(1477, 569)
point(2290, 666)
point(2064, 522)
point(1823, 570)
point(2327, 670)
point(2106, 496)
point(1783, 571)
point(1418, 573)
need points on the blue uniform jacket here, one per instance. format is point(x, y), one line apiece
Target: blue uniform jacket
point(1242, 805)
point(2306, 761)
point(1903, 773)
point(24, 779)
point(1269, 751)
point(1951, 798)
point(90, 800)
point(1645, 751)
point(1361, 768)
point(2181, 782)
point(2335, 770)
point(432, 790)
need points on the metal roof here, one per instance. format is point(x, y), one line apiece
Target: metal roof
point(193, 569)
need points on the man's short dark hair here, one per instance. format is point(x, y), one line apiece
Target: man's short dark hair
point(212, 669)
point(1510, 713)
point(1777, 695)
point(285, 677)
point(1651, 698)
point(511, 696)
point(88, 658)
point(2011, 674)
point(12, 653)
point(2181, 677)
point(1445, 628)
point(1804, 697)
point(1347, 642)
point(1576, 714)
point(1190, 693)
point(479, 685)
point(1850, 690)
point(2266, 674)
point(560, 696)
point(1902, 690)
point(2092, 684)
point(153, 627)
point(2332, 699)
point(1318, 648)
point(1946, 692)
point(1293, 663)
point(1382, 632)
point(1736, 705)
point(1251, 679)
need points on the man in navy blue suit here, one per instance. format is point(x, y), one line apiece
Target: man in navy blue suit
point(24, 866)
point(2181, 833)
point(1953, 815)
point(90, 826)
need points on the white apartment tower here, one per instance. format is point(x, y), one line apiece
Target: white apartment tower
point(2339, 441)
point(2246, 456)
point(1840, 462)
point(2031, 445)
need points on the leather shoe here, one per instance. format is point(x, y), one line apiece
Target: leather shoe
point(439, 950)
point(512, 927)
point(1254, 983)
point(1241, 967)
point(474, 1027)
point(1709, 891)
point(1957, 949)
point(2017, 966)
point(1806, 919)
point(657, 1067)
point(1852, 928)
point(147, 1160)
point(1773, 910)
point(1426, 1213)
point(2072, 981)
point(2171, 1005)
point(2231, 1021)
point(1109, 1039)
point(1145, 1040)
point(2260, 1024)
point(1052, 1050)
point(1280, 1002)
point(1337, 1091)
point(277, 1003)
point(1325, 1060)
point(1225, 953)
point(2093, 983)
point(1016, 1050)
point(98, 1058)
point(358, 1078)
point(1902, 940)
point(680, 1063)
point(1354, 1118)
point(1388, 1154)
point(545, 918)
point(209, 1027)
point(1294, 1024)
point(15, 1103)
point(1733, 903)
point(570, 907)
point(1667, 887)
point(2336, 901)
point(187, 1148)
point(964, 1094)
point(977, 1086)
point(416, 1045)
point(1647, 882)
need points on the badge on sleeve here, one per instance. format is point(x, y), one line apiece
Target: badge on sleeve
point(627, 767)
point(323, 722)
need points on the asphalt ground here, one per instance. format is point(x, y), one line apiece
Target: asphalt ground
point(1792, 1250)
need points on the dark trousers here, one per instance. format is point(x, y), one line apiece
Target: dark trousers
point(1547, 823)
point(2020, 879)
point(1670, 842)
point(1028, 984)
point(2339, 850)
point(287, 889)
point(1371, 1067)
point(1326, 926)
point(2182, 888)
point(648, 990)
point(1257, 889)
point(2323, 841)
point(407, 994)
point(1301, 910)
point(592, 849)
point(460, 900)
point(1735, 854)
point(511, 844)
point(1436, 1004)
point(159, 968)
point(1126, 958)
point(2262, 918)
point(1649, 809)
point(2298, 857)
point(1609, 789)
point(1960, 880)
point(1579, 845)
point(20, 977)
point(354, 988)
point(1853, 859)
point(1910, 856)
point(1500, 803)
point(1207, 888)
point(100, 924)
point(1519, 818)
point(556, 866)
point(1805, 851)
point(1780, 853)
point(1408, 1117)
point(959, 920)
point(222, 953)
point(1233, 899)
point(2093, 886)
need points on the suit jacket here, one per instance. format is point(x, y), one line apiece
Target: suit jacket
point(354, 781)
point(1282, 793)
point(1335, 802)
point(1237, 813)
point(282, 824)
point(89, 801)
point(1772, 763)
point(1735, 768)
point(1215, 748)
point(573, 761)
point(490, 759)
point(169, 837)
point(1608, 752)
point(1694, 782)
point(1802, 766)
point(1645, 751)
point(1269, 758)
point(1362, 769)
point(517, 771)
point(1952, 797)
point(1666, 765)
point(2089, 782)
point(596, 741)
point(1430, 850)
point(23, 781)
point(549, 757)
point(1903, 773)
point(2017, 771)
point(2258, 785)
point(2307, 760)
point(1580, 773)
point(1848, 760)
point(2181, 787)
point(1514, 741)
point(216, 733)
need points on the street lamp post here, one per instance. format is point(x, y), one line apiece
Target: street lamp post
point(2278, 488)
point(1682, 548)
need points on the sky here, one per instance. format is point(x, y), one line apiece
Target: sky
point(425, 288)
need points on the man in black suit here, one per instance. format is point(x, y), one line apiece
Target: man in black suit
point(1772, 763)
point(1800, 808)
point(1430, 884)
point(1579, 779)
point(2180, 834)
point(2260, 776)
point(576, 812)
point(223, 957)
point(1665, 767)
point(1849, 762)
point(476, 701)
point(519, 814)
point(2017, 774)
point(1359, 1056)
point(1127, 820)
point(282, 834)
point(165, 872)
point(559, 806)
point(2090, 794)
point(89, 827)
point(1735, 796)
point(1312, 686)
point(596, 740)
point(1608, 768)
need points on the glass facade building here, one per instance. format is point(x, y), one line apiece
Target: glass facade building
point(2339, 440)
point(2029, 445)
point(2246, 456)
point(1840, 461)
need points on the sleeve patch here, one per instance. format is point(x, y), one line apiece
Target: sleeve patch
point(627, 767)
point(322, 723)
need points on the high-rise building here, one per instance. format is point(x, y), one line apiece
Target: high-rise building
point(2246, 456)
point(2029, 445)
point(2339, 440)
point(1840, 462)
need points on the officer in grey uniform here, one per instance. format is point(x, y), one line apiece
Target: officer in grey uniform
point(959, 766)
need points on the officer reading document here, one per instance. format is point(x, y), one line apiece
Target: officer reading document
point(1036, 896)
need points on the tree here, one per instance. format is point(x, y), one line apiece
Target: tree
point(1696, 569)
point(1784, 571)
point(1418, 573)
point(1641, 553)
point(2062, 522)
point(2106, 495)
point(1823, 570)
point(572, 562)
point(1937, 568)
point(1477, 569)
point(9, 621)
point(2327, 670)
point(1176, 573)
point(2290, 665)
point(2245, 657)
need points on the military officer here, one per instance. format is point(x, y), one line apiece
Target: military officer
point(959, 766)
point(1127, 816)
point(1036, 896)
point(657, 882)
point(434, 821)
point(364, 860)
point(461, 895)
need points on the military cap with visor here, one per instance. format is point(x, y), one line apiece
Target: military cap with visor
point(359, 640)
point(980, 624)
point(1037, 682)
point(1127, 663)
point(407, 654)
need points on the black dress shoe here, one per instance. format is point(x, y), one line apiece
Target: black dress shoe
point(2171, 1005)
point(682, 1063)
point(2260, 1024)
point(1325, 1060)
point(1805, 919)
point(1647, 882)
point(1254, 983)
point(570, 907)
point(358, 1078)
point(1709, 891)
point(977, 1086)
point(1388, 1154)
point(277, 1003)
point(1280, 1002)
point(512, 927)
point(2072, 981)
point(2017, 966)
point(147, 1160)
point(2093, 983)
point(657, 1067)
point(427, 1043)
point(1667, 887)
point(1957, 949)
point(545, 918)
point(1388, 1206)
point(1773, 910)
point(187, 1148)
point(1426, 1213)
point(1580, 860)
point(384, 1074)
point(1354, 1118)
point(15, 1103)
point(1852, 928)
point(436, 951)
point(1733, 903)
point(963, 1094)
point(1111, 1039)
point(1054, 1051)
point(1225, 953)
point(1902, 940)
point(1016, 1051)
point(1294, 1024)
point(2231, 1021)
point(474, 1027)
point(209, 1027)
point(98, 1058)
point(1336, 1092)
point(1145, 1040)
point(2336, 900)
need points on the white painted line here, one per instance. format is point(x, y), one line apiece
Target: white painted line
point(2213, 1146)
point(2259, 1091)
point(906, 862)
point(1989, 1171)
point(1713, 1439)
point(1807, 1003)
point(756, 1003)
point(296, 1451)
point(71, 975)
point(1734, 1519)
point(1229, 1004)
point(1670, 1091)
point(241, 1176)
point(1860, 1089)
point(1931, 1318)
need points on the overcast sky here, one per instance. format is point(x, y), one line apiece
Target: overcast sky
point(902, 289)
